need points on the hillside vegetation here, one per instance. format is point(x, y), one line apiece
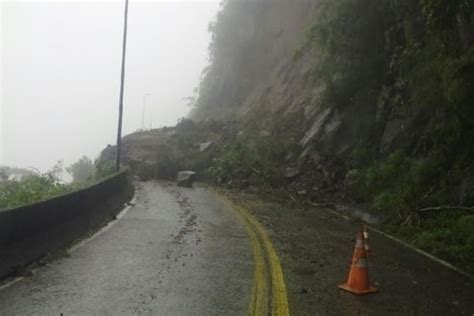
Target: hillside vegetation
point(383, 88)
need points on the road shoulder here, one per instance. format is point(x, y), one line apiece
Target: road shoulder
point(315, 247)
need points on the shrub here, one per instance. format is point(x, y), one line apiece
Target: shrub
point(31, 189)
point(104, 168)
point(255, 160)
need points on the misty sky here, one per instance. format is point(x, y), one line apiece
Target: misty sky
point(60, 73)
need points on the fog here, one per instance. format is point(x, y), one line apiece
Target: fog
point(60, 73)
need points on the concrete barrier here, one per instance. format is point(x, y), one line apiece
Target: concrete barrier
point(30, 232)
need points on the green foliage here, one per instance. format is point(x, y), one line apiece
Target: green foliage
point(398, 187)
point(258, 160)
point(417, 49)
point(442, 17)
point(437, 75)
point(388, 201)
point(348, 45)
point(395, 186)
point(31, 189)
point(465, 227)
point(34, 186)
point(103, 168)
point(361, 157)
point(422, 52)
point(82, 171)
point(446, 235)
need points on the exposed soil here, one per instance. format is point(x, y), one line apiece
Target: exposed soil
point(315, 247)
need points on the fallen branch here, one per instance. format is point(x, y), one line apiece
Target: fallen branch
point(330, 205)
point(428, 194)
point(446, 208)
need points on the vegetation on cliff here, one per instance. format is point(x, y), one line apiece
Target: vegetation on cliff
point(416, 60)
point(404, 69)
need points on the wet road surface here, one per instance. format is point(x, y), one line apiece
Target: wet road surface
point(181, 251)
point(315, 247)
point(176, 251)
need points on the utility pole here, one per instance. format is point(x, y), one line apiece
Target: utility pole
point(122, 79)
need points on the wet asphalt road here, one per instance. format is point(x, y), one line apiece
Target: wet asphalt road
point(177, 251)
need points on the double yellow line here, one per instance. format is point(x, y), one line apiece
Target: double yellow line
point(264, 255)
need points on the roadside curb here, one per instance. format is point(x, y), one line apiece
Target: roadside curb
point(106, 227)
point(417, 250)
point(6, 283)
point(424, 253)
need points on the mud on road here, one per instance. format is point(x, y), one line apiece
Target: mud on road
point(315, 248)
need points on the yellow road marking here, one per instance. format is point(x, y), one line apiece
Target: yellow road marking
point(279, 300)
point(259, 297)
point(259, 302)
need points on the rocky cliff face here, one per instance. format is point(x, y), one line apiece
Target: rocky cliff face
point(251, 39)
point(376, 96)
point(349, 81)
point(254, 76)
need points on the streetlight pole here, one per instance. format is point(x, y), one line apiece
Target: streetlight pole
point(122, 80)
point(151, 120)
point(143, 112)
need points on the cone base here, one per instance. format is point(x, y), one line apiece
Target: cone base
point(347, 288)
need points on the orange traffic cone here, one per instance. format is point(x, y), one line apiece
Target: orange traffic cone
point(368, 250)
point(358, 279)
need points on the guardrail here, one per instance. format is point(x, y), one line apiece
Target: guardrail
point(29, 232)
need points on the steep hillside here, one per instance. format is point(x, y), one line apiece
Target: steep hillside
point(377, 96)
point(366, 102)
point(250, 39)
point(353, 81)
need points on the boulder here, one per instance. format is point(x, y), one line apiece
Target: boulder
point(252, 189)
point(186, 178)
point(291, 172)
point(205, 146)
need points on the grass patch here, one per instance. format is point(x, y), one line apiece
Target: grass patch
point(448, 236)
